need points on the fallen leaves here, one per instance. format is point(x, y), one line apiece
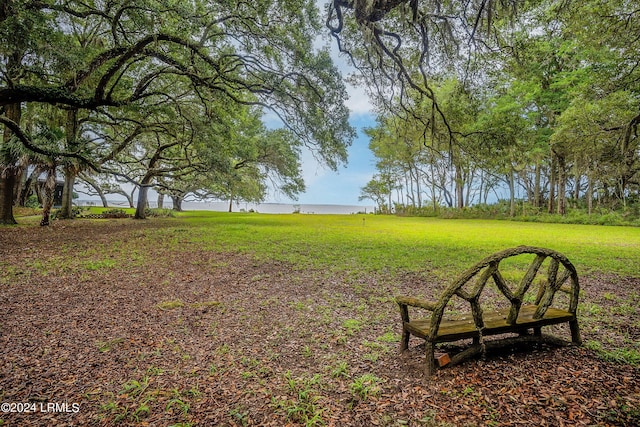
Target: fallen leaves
point(182, 335)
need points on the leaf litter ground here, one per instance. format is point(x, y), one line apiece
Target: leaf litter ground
point(138, 331)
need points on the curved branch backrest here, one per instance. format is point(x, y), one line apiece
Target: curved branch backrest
point(489, 268)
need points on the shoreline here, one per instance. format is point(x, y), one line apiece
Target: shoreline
point(275, 208)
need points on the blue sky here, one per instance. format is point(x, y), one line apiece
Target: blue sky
point(341, 187)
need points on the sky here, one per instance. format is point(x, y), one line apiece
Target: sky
point(341, 187)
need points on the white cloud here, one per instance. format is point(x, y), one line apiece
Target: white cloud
point(359, 102)
point(325, 186)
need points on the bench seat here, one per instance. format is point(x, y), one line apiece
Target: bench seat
point(463, 327)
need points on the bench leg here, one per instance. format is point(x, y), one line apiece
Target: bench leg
point(430, 361)
point(575, 332)
point(404, 343)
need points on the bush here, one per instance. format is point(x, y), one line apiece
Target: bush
point(424, 211)
point(159, 213)
point(32, 202)
point(115, 213)
point(76, 211)
point(629, 215)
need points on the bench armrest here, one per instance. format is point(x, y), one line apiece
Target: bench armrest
point(414, 302)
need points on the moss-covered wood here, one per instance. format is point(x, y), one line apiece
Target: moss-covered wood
point(519, 317)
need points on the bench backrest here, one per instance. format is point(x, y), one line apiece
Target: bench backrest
point(561, 275)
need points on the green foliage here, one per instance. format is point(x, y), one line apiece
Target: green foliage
point(178, 404)
point(184, 94)
point(389, 337)
point(352, 326)
point(240, 416)
point(105, 346)
point(340, 370)
point(76, 211)
point(32, 202)
point(134, 401)
point(115, 213)
point(365, 386)
point(525, 212)
point(100, 264)
point(625, 356)
point(303, 407)
point(160, 213)
point(626, 414)
point(555, 114)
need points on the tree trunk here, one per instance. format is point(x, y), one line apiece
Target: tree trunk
point(71, 169)
point(129, 197)
point(66, 210)
point(433, 187)
point(177, 203)
point(27, 188)
point(408, 184)
point(459, 188)
point(562, 186)
point(21, 181)
point(552, 183)
point(418, 186)
point(7, 183)
point(8, 162)
point(589, 194)
point(512, 194)
point(629, 151)
point(47, 195)
point(577, 189)
point(480, 188)
point(160, 200)
point(143, 194)
point(103, 198)
point(8, 169)
point(96, 187)
point(469, 179)
point(447, 197)
point(537, 202)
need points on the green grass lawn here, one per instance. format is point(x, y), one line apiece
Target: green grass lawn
point(375, 243)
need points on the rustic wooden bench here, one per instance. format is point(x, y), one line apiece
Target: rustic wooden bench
point(520, 302)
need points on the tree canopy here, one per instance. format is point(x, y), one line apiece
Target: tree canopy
point(547, 99)
point(100, 60)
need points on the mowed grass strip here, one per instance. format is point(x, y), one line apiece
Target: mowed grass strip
point(377, 243)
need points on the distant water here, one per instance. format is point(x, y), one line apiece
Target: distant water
point(272, 208)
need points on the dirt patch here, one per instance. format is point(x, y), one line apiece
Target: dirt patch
point(106, 323)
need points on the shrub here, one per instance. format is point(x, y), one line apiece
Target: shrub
point(115, 213)
point(160, 213)
point(76, 211)
point(32, 202)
